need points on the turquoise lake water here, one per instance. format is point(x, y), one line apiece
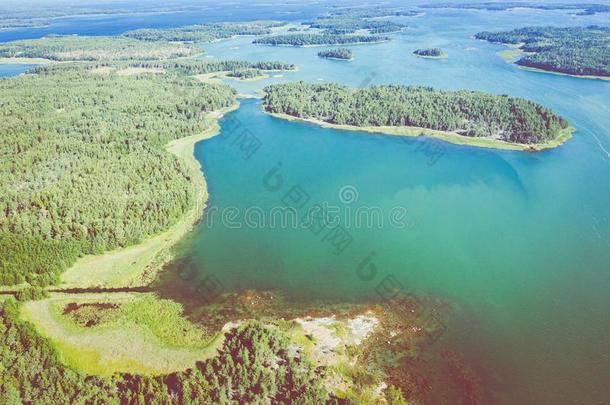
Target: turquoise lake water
point(517, 243)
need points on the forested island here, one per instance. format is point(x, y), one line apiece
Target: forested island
point(338, 53)
point(340, 26)
point(319, 39)
point(578, 51)
point(191, 66)
point(21, 23)
point(581, 8)
point(361, 20)
point(246, 74)
point(432, 53)
point(74, 47)
point(204, 32)
point(465, 114)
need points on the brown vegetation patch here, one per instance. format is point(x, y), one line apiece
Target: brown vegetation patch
point(90, 314)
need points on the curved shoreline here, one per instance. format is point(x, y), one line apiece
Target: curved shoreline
point(138, 265)
point(514, 52)
point(446, 136)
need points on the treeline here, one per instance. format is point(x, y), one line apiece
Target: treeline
point(84, 167)
point(21, 23)
point(77, 48)
point(572, 50)
point(254, 365)
point(318, 39)
point(371, 12)
point(582, 8)
point(204, 32)
point(191, 67)
point(430, 52)
point(245, 73)
point(468, 113)
point(339, 53)
point(340, 26)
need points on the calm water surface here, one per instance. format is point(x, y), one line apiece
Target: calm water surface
point(518, 243)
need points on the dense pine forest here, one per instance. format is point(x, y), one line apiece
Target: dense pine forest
point(573, 50)
point(204, 32)
point(77, 183)
point(245, 73)
point(318, 39)
point(255, 365)
point(339, 53)
point(71, 48)
point(468, 113)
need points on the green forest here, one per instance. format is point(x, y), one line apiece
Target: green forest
point(204, 32)
point(318, 39)
point(338, 53)
point(469, 113)
point(88, 170)
point(255, 365)
point(572, 50)
point(370, 12)
point(187, 67)
point(340, 26)
point(245, 73)
point(73, 48)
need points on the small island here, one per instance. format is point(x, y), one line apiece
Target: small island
point(246, 74)
point(430, 53)
point(463, 117)
point(338, 53)
point(558, 50)
point(319, 40)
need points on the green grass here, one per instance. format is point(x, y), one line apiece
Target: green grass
point(510, 55)
point(144, 335)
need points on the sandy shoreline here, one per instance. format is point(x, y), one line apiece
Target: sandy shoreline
point(450, 137)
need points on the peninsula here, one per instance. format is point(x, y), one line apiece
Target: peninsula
point(559, 50)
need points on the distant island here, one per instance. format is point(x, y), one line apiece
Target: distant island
point(431, 53)
point(319, 39)
point(465, 117)
point(204, 32)
point(246, 74)
point(347, 25)
point(577, 51)
point(338, 53)
point(580, 8)
point(88, 48)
